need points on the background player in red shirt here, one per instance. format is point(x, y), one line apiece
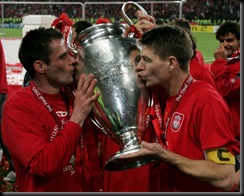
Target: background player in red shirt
point(226, 68)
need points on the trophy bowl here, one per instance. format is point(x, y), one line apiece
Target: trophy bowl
point(106, 48)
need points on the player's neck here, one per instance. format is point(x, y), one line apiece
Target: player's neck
point(176, 83)
point(45, 87)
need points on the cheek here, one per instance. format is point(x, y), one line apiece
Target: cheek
point(157, 69)
point(161, 74)
point(80, 66)
point(235, 46)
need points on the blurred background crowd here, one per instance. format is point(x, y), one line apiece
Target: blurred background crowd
point(202, 12)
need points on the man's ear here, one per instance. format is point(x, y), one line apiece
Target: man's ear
point(39, 66)
point(171, 63)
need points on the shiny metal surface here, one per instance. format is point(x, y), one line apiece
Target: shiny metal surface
point(130, 5)
point(105, 49)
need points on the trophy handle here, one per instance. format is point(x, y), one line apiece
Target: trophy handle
point(73, 48)
point(98, 122)
point(128, 5)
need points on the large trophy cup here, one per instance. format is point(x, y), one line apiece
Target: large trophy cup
point(105, 49)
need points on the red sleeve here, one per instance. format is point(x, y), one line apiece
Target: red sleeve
point(217, 127)
point(199, 57)
point(3, 77)
point(28, 138)
point(202, 73)
point(61, 149)
point(227, 76)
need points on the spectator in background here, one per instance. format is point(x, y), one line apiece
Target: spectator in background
point(11, 176)
point(190, 131)
point(226, 68)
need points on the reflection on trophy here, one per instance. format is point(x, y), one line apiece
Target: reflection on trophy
point(106, 49)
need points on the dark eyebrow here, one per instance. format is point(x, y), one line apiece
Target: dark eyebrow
point(146, 58)
point(63, 55)
point(228, 40)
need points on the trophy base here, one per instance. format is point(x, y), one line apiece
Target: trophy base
point(116, 164)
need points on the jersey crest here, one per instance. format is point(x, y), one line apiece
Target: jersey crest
point(177, 121)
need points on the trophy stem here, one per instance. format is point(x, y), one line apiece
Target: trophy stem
point(129, 143)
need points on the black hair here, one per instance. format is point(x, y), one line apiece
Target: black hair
point(169, 40)
point(186, 25)
point(81, 25)
point(228, 27)
point(35, 45)
point(182, 22)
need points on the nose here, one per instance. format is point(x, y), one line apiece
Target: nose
point(140, 66)
point(225, 43)
point(72, 59)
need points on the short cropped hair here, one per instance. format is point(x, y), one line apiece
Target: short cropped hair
point(35, 45)
point(170, 40)
point(228, 27)
point(81, 25)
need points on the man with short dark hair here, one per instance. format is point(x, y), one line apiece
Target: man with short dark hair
point(226, 68)
point(43, 127)
point(196, 147)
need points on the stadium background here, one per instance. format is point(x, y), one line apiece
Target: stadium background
point(205, 17)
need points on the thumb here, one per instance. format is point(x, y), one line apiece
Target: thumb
point(144, 144)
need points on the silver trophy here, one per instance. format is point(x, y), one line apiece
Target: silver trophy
point(106, 50)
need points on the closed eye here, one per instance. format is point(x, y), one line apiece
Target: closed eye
point(146, 59)
point(64, 55)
